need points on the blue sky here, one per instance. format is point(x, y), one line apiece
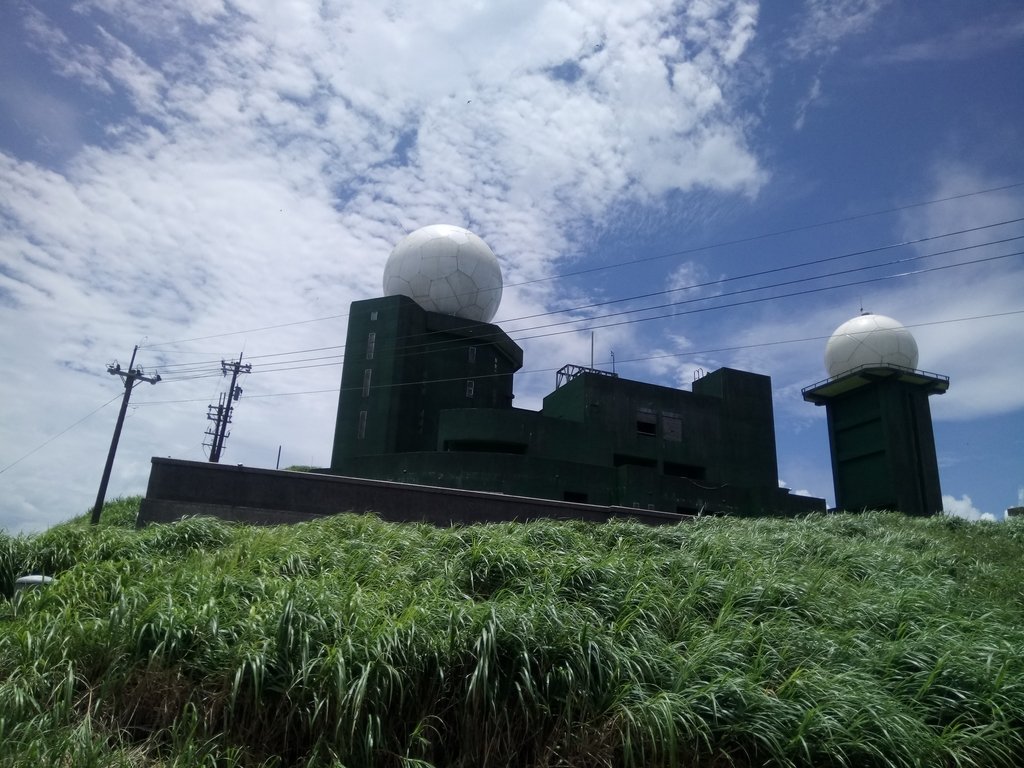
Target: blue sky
point(208, 178)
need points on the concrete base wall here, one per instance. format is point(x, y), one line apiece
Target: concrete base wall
point(265, 496)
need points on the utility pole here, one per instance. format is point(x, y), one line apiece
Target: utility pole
point(130, 377)
point(220, 414)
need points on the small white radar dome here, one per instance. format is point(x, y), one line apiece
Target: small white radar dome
point(872, 340)
point(446, 269)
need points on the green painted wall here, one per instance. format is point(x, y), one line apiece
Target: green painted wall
point(881, 439)
point(395, 383)
point(436, 409)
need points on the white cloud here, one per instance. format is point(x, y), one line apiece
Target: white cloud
point(813, 95)
point(822, 27)
point(800, 492)
point(259, 175)
point(825, 23)
point(980, 39)
point(964, 507)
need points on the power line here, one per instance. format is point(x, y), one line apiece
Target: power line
point(202, 373)
point(248, 330)
point(766, 235)
point(617, 265)
point(775, 270)
point(772, 298)
point(796, 281)
point(428, 347)
point(60, 434)
point(688, 353)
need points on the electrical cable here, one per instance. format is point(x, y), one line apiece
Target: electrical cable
point(774, 298)
point(688, 353)
point(433, 347)
point(705, 284)
point(428, 346)
point(62, 432)
point(682, 252)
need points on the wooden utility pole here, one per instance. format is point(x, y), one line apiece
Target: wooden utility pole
point(130, 377)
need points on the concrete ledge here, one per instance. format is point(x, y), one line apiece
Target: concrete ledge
point(271, 497)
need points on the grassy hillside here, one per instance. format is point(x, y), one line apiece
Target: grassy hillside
point(869, 640)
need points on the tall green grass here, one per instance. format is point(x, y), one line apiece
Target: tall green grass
point(869, 640)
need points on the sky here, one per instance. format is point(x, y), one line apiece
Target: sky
point(690, 185)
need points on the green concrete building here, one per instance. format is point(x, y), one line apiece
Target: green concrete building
point(881, 439)
point(879, 420)
point(427, 398)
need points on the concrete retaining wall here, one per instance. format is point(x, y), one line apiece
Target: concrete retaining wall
point(265, 496)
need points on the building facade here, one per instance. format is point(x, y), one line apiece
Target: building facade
point(427, 398)
point(881, 438)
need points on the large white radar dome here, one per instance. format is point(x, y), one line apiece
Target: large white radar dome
point(447, 269)
point(872, 340)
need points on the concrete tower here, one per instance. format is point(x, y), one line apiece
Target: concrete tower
point(879, 420)
point(426, 346)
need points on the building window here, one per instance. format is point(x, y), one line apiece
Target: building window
point(470, 387)
point(646, 423)
point(371, 344)
point(361, 430)
point(472, 354)
point(367, 375)
point(373, 316)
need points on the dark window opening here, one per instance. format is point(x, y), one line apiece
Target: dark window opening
point(472, 354)
point(646, 424)
point(361, 431)
point(470, 388)
point(691, 471)
point(576, 496)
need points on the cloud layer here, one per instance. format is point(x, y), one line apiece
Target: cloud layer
point(209, 178)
